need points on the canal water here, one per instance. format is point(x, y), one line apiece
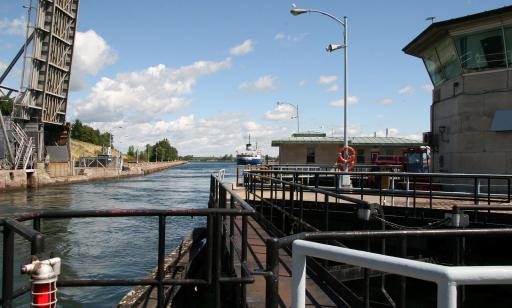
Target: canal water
point(112, 248)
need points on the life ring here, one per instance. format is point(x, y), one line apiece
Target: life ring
point(341, 166)
point(351, 157)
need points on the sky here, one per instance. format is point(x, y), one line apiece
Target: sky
point(207, 74)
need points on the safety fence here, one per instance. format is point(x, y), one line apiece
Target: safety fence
point(221, 214)
point(447, 278)
point(348, 297)
point(294, 209)
point(388, 186)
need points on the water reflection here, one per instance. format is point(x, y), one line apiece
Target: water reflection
point(112, 247)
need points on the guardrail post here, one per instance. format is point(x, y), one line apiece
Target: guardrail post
point(217, 255)
point(298, 279)
point(403, 279)
point(161, 261)
point(244, 258)
point(447, 295)
point(508, 190)
point(272, 286)
point(476, 188)
point(8, 267)
point(489, 190)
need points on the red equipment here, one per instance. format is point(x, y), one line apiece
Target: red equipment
point(44, 281)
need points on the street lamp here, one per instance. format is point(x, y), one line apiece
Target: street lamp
point(296, 112)
point(111, 137)
point(332, 47)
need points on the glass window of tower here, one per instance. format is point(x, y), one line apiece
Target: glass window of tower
point(433, 66)
point(448, 58)
point(482, 50)
point(508, 42)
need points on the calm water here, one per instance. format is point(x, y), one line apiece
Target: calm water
point(107, 248)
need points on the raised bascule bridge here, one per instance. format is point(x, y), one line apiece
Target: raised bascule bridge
point(38, 119)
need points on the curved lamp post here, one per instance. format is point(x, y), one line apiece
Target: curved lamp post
point(332, 47)
point(296, 112)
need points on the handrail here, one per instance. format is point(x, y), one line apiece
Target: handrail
point(273, 245)
point(446, 277)
point(386, 173)
point(221, 209)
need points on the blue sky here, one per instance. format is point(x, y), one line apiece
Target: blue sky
point(205, 74)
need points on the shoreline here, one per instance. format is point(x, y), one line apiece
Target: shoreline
point(13, 180)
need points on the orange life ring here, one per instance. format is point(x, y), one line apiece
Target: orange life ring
point(341, 167)
point(351, 157)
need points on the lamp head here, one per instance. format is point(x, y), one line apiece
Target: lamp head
point(295, 11)
point(333, 47)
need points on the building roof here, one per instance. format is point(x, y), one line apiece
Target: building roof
point(355, 141)
point(439, 29)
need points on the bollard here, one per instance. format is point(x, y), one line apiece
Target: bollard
point(44, 281)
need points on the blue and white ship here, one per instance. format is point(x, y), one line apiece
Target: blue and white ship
point(251, 155)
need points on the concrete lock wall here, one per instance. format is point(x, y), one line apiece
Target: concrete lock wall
point(12, 179)
point(461, 124)
point(58, 169)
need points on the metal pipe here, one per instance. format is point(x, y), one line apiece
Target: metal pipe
point(244, 255)
point(8, 267)
point(161, 261)
point(272, 263)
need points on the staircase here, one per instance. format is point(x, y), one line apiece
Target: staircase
point(24, 145)
point(21, 105)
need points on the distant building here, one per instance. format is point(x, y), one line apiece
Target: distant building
point(469, 60)
point(317, 148)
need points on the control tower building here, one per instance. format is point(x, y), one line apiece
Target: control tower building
point(469, 60)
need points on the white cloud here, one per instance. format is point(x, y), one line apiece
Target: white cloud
point(333, 88)
point(16, 26)
point(91, 54)
point(339, 103)
point(394, 132)
point(303, 83)
point(327, 79)
point(407, 90)
point(281, 112)
point(427, 87)
point(385, 101)
point(264, 83)
point(281, 36)
point(215, 135)
point(242, 49)
point(143, 95)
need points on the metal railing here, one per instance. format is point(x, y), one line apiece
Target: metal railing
point(476, 188)
point(447, 278)
point(293, 205)
point(346, 296)
point(219, 235)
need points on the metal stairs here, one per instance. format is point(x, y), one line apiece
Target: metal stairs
point(24, 146)
point(21, 106)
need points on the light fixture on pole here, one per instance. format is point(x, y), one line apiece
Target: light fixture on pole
point(296, 107)
point(332, 47)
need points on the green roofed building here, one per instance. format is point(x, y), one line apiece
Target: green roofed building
point(318, 148)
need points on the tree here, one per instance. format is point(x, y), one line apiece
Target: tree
point(131, 151)
point(85, 133)
point(6, 105)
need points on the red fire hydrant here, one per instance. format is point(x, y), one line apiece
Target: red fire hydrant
point(44, 281)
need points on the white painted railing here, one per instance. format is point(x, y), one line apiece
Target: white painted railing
point(220, 175)
point(447, 278)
